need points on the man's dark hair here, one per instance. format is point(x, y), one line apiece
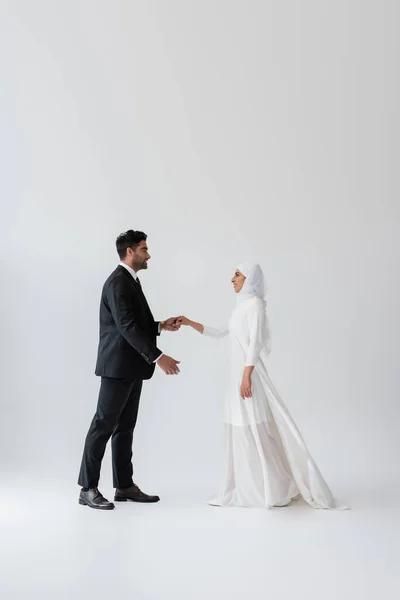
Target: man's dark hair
point(129, 239)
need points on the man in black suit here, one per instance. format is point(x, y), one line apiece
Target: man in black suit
point(127, 355)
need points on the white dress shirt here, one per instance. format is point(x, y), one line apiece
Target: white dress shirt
point(128, 268)
point(134, 275)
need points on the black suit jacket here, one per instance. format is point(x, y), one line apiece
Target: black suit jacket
point(128, 332)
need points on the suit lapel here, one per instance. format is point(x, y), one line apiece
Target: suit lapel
point(143, 297)
point(139, 291)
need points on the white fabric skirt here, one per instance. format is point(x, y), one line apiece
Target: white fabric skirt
point(268, 463)
point(256, 471)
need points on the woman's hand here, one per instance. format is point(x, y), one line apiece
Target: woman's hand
point(188, 323)
point(245, 388)
point(184, 321)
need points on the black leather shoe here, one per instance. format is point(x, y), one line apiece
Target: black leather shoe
point(134, 494)
point(94, 499)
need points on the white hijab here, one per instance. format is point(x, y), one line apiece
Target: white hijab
point(254, 287)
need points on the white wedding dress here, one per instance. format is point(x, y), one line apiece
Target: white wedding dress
point(267, 461)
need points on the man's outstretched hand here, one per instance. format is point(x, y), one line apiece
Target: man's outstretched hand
point(168, 365)
point(171, 324)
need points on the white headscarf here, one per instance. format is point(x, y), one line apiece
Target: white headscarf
point(254, 284)
point(254, 287)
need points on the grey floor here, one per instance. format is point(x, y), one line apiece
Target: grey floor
point(182, 549)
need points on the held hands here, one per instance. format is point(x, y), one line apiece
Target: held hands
point(171, 324)
point(183, 321)
point(166, 363)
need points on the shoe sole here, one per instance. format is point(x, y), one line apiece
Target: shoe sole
point(119, 499)
point(111, 507)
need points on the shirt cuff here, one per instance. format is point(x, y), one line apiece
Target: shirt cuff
point(158, 357)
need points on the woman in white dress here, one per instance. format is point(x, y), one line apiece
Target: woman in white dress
point(267, 461)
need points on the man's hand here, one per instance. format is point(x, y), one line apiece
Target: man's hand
point(245, 388)
point(168, 365)
point(171, 324)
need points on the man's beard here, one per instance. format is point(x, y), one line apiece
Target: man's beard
point(141, 266)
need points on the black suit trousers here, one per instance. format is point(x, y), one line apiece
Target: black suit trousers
point(115, 417)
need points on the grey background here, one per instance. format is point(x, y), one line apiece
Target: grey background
point(227, 131)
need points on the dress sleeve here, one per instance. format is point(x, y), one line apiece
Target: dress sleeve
point(256, 321)
point(219, 332)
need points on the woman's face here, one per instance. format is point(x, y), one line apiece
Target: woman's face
point(238, 280)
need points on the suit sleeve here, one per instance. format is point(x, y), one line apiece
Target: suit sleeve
point(120, 302)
